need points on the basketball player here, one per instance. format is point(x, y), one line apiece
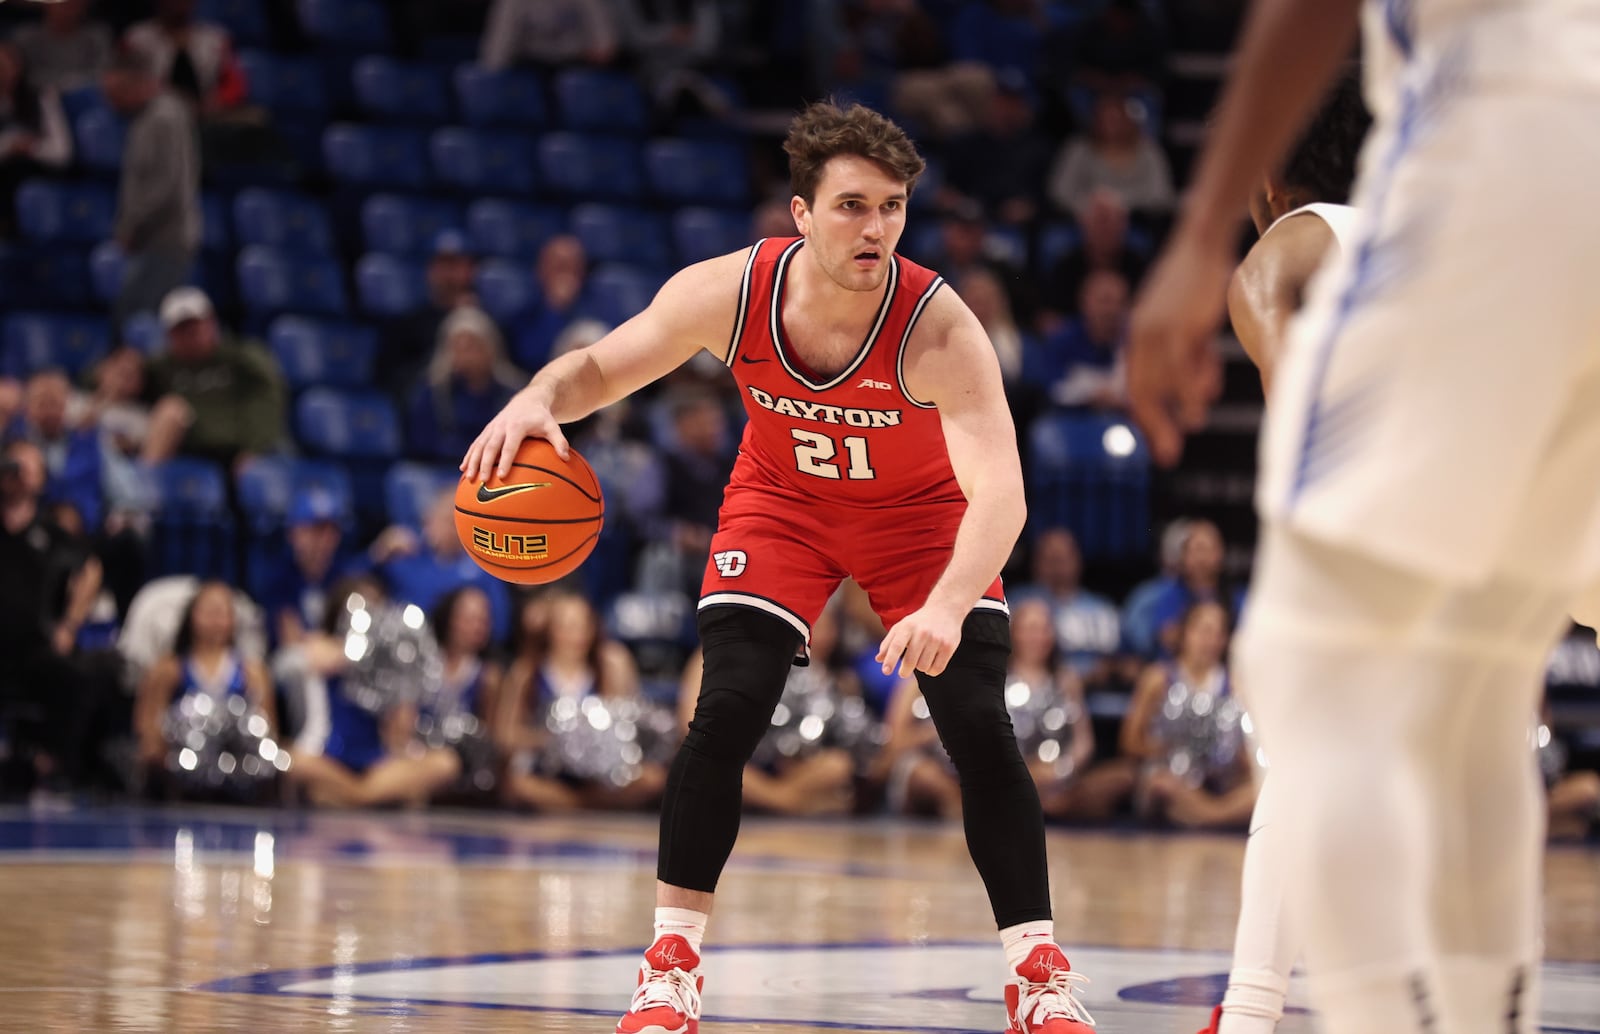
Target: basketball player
point(878, 447)
point(1428, 495)
point(1303, 220)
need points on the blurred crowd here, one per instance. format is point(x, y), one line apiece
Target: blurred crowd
point(1048, 191)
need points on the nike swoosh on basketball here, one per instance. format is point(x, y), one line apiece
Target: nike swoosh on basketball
point(747, 359)
point(489, 495)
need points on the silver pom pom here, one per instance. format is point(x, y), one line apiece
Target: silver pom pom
point(812, 716)
point(393, 657)
point(607, 741)
point(1200, 732)
point(221, 748)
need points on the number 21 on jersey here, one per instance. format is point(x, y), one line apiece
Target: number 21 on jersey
point(815, 454)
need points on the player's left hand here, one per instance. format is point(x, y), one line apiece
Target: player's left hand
point(923, 640)
point(1174, 369)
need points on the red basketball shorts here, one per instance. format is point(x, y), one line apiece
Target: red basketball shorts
point(787, 557)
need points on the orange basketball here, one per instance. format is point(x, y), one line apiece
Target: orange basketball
point(539, 522)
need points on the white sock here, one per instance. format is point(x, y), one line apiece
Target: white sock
point(685, 922)
point(1020, 940)
point(1263, 950)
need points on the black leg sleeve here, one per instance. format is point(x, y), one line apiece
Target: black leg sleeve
point(999, 803)
point(747, 659)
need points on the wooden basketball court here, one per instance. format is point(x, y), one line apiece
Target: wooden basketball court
point(191, 921)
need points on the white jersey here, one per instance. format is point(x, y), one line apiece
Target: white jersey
point(1438, 402)
point(1553, 44)
point(1341, 221)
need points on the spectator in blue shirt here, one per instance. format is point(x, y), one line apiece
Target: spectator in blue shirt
point(295, 598)
point(1088, 630)
point(561, 272)
point(1082, 362)
point(1198, 580)
point(423, 568)
point(71, 454)
point(466, 384)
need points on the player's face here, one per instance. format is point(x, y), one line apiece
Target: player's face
point(854, 224)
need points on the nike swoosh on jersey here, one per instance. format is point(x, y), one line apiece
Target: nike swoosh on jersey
point(489, 495)
point(747, 359)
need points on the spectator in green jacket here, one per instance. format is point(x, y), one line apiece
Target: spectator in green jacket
point(234, 390)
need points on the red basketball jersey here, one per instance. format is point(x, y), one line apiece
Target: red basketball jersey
point(856, 437)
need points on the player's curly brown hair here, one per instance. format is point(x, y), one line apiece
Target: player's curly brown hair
point(825, 130)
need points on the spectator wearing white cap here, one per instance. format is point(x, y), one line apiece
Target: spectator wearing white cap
point(234, 390)
point(158, 199)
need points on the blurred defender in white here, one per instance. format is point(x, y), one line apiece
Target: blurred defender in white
point(1429, 486)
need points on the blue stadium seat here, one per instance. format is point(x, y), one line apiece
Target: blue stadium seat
point(592, 99)
point(390, 286)
point(216, 223)
point(312, 352)
point(401, 225)
point(99, 134)
point(285, 84)
point(58, 275)
point(293, 223)
point(268, 484)
point(1055, 242)
point(272, 281)
point(375, 157)
point(616, 293)
point(512, 229)
point(506, 290)
point(613, 233)
point(1091, 472)
point(401, 91)
point(697, 170)
point(347, 425)
point(702, 233)
point(409, 490)
point(144, 332)
point(193, 531)
point(483, 161)
point(358, 25)
point(38, 340)
point(245, 20)
point(582, 166)
point(510, 98)
point(79, 99)
point(105, 271)
point(81, 213)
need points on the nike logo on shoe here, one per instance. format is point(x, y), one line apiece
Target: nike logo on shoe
point(489, 495)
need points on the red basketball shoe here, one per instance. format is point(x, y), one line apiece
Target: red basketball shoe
point(667, 1000)
point(1040, 1000)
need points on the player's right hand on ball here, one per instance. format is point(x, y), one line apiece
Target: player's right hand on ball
point(525, 416)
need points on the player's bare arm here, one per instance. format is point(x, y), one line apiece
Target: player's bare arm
point(1289, 52)
point(694, 310)
point(951, 364)
point(1269, 287)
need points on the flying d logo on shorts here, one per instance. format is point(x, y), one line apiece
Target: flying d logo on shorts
point(731, 562)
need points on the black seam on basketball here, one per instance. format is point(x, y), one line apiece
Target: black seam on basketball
point(558, 474)
point(531, 520)
point(480, 558)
